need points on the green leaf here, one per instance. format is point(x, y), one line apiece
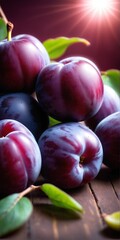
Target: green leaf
point(61, 199)
point(53, 121)
point(113, 220)
point(56, 47)
point(112, 78)
point(14, 212)
point(3, 29)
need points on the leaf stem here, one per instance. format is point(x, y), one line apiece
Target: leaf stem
point(31, 188)
point(10, 25)
point(2, 15)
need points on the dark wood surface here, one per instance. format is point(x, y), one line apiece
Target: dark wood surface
point(49, 222)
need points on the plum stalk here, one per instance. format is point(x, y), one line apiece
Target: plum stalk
point(9, 30)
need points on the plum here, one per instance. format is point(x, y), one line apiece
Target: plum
point(108, 131)
point(70, 90)
point(20, 157)
point(20, 62)
point(71, 154)
point(110, 104)
point(25, 109)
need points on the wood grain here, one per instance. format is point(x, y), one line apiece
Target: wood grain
point(51, 223)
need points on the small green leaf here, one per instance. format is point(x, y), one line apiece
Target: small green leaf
point(113, 220)
point(3, 29)
point(14, 212)
point(61, 199)
point(56, 47)
point(53, 121)
point(112, 78)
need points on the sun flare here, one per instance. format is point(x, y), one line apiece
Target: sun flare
point(101, 16)
point(100, 6)
point(95, 17)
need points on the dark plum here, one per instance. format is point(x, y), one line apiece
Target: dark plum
point(25, 109)
point(108, 131)
point(20, 62)
point(71, 155)
point(20, 157)
point(110, 104)
point(70, 90)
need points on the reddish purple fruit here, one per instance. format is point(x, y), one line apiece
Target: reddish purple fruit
point(70, 90)
point(71, 155)
point(37, 44)
point(25, 109)
point(110, 104)
point(21, 59)
point(108, 131)
point(20, 157)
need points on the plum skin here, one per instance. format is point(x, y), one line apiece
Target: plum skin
point(21, 61)
point(108, 131)
point(110, 104)
point(70, 90)
point(20, 157)
point(37, 44)
point(25, 109)
point(71, 155)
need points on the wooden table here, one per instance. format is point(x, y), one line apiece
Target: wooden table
point(49, 222)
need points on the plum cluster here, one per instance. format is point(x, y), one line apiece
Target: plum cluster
point(21, 118)
point(32, 89)
point(73, 92)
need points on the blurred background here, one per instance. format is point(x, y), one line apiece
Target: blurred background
point(96, 21)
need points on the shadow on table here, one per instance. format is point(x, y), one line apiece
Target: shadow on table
point(110, 234)
point(106, 174)
point(57, 212)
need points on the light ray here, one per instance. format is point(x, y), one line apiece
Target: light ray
point(100, 7)
point(86, 15)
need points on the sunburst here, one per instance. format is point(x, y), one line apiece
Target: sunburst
point(89, 16)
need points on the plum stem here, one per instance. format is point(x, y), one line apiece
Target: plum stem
point(9, 30)
point(8, 24)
